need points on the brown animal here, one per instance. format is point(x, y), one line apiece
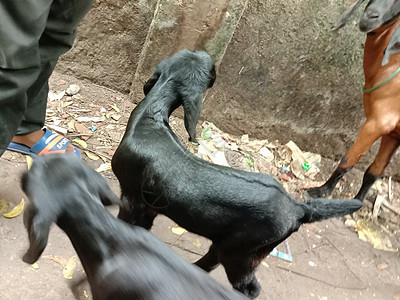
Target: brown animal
point(381, 20)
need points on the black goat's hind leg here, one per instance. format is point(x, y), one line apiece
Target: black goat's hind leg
point(126, 215)
point(240, 270)
point(143, 216)
point(209, 261)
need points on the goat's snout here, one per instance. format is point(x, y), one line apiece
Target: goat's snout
point(370, 20)
point(378, 13)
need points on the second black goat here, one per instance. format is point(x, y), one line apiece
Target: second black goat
point(121, 261)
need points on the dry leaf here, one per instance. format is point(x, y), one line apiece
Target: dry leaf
point(382, 267)
point(197, 244)
point(3, 206)
point(216, 156)
point(81, 128)
point(116, 117)
point(71, 125)
point(368, 232)
point(58, 129)
point(29, 161)
point(65, 104)
point(178, 230)
point(114, 107)
point(56, 96)
point(92, 156)
point(90, 119)
point(265, 264)
point(104, 167)
point(298, 159)
point(60, 260)
point(70, 267)
point(16, 211)
point(111, 152)
point(86, 133)
point(80, 142)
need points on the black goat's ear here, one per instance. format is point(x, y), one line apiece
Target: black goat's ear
point(107, 196)
point(192, 106)
point(213, 76)
point(347, 14)
point(24, 181)
point(393, 46)
point(38, 228)
point(98, 186)
point(151, 82)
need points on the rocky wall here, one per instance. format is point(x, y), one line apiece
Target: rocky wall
point(282, 73)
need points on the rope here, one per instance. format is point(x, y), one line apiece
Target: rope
point(382, 83)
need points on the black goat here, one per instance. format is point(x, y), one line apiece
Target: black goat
point(244, 214)
point(381, 22)
point(121, 261)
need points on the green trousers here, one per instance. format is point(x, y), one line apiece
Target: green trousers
point(33, 35)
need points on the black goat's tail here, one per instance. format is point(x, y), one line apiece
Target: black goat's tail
point(320, 209)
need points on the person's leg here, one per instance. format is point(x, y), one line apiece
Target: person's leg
point(21, 25)
point(56, 37)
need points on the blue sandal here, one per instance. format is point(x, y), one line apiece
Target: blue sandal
point(50, 143)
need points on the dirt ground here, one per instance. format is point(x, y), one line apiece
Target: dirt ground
point(330, 261)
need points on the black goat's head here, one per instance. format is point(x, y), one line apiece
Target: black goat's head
point(376, 14)
point(192, 73)
point(55, 184)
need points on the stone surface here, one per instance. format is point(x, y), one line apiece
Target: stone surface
point(109, 43)
point(282, 74)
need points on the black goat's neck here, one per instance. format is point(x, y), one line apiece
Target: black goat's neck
point(91, 235)
point(163, 104)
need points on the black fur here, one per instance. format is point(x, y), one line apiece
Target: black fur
point(121, 261)
point(244, 214)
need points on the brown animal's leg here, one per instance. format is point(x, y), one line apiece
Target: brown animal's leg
point(369, 133)
point(209, 261)
point(326, 189)
point(240, 269)
point(388, 147)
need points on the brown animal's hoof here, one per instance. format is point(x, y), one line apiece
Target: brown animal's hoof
point(318, 192)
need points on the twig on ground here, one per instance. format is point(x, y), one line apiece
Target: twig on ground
point(322, 281)
point(391, 207)
point(104, 157)
point(80, 134)
point(105, 88)
point(187, 250)
point(377, 205)
point(344, 260)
